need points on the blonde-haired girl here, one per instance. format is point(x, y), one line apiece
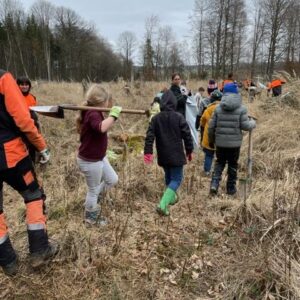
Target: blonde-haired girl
point(93, 127)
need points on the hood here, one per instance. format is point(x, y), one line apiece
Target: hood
point(231, 101)
point(168, 102)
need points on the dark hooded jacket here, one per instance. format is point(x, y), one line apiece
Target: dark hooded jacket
point(228, 121)
point(180, 99)
point(169, 130)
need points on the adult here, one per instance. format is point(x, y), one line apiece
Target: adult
point(24, 84)
point(276, 87)
point(180, 98)
point(226, 81)
point(16, 169)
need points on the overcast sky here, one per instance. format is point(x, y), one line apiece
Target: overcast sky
point(111, 17)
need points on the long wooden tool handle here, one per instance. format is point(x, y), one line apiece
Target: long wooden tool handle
point(104, 109)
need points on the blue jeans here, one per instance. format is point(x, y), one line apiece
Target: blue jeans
point(173, 177)
point(208, 160)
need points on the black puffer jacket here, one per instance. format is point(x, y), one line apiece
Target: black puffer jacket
point(168, 129)
point(181, 99)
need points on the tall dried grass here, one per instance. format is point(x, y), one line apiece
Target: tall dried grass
point(210, 248)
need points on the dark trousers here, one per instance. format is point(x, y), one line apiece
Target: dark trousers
point(231, 157)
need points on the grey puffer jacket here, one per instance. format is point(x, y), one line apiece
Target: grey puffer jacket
point(228, 121)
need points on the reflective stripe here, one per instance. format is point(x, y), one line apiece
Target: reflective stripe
point(3, 239)
point(34, 213)
point(3, 227)
point(37, 226)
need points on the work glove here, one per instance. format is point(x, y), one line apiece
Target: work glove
point(148, 158)
point(189, 156)
point(115, 112)
point(45, 156)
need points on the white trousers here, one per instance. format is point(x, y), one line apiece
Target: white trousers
point(99, 176)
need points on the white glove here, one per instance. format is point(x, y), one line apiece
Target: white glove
point(45, 156)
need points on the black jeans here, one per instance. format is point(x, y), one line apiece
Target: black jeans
point(230, 156)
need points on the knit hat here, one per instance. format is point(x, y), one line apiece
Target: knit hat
point(216, 95)
point(231, 88)
point(211, 86)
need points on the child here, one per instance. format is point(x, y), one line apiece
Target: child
point(209, 152)
point(225, 130)
point(91, 159)
point(199, 96)
point(154, 108)
point(25, 86)
point(168, 129)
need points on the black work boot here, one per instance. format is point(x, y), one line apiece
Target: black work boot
point(39, 259)
point(41, 251)
point(8, 258)
point(12, 268)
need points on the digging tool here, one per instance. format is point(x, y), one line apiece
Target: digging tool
point(248, 180)
point(57, 111)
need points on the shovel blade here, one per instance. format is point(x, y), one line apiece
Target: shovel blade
point(49, 111)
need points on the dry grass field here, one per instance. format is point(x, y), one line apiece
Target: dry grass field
point(210, 248)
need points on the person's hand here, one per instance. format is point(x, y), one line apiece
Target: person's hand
point(115, 112)
point(189, 156)
point(45, 156)
point(148, 158)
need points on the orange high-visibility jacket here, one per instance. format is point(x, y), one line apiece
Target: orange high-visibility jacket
point(15, 121)
point(30, 100)
point(226, 81)
point(275, 83)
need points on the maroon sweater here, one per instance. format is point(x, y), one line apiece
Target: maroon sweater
point(93, 142)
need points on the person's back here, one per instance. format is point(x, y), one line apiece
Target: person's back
point(167, 127)
point(169, 130)
point(225, 131)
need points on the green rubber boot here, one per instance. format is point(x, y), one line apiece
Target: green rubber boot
point(167, 198)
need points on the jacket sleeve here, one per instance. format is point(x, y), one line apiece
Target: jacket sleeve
point(186, 135)
point(212, 124)
point(17, 108)
point(246, 123)
point(203, 119)
point(150, 137)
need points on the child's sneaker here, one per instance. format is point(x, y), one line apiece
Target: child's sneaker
point(214, 186)
point(93, 217)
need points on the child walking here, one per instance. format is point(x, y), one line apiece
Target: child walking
point(209, 149)
point(91, 159)
point(225, 131)
point(169, 130)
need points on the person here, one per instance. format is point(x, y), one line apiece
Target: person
point(212, 86)
point(276, 87)
point(225, 131)
point(226, 81)
point(199, 96)
point(16, 169)
point(168, 129)
point(180, 98)
point(24, 84)
point(154, 108)
point(215, 98)
point(91, 159)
